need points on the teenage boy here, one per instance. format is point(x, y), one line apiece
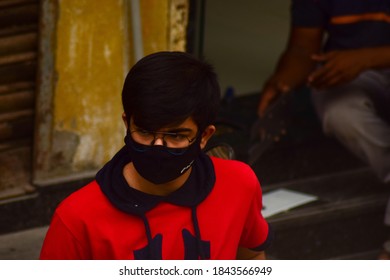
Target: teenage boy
point(160, 196)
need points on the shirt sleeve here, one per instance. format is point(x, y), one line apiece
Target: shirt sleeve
point(309, 13)
point(61, 244)
point(257, 234)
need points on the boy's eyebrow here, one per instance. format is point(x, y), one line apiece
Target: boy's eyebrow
point(173, 130)
point(179, 129)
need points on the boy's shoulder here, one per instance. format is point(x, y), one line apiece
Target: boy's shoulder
point(236, 166)
point(87, 198)
point(234, 171)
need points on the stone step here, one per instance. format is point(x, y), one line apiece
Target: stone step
point(345, 221)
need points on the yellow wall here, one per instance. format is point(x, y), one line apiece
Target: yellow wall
point(154, 14)
point(89, 62)
point(91, 53)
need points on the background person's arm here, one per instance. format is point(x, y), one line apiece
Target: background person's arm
point(294, 66)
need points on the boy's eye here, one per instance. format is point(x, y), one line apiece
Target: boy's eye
point(177, 137)
point(144, 133)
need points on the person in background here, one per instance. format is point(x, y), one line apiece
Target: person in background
point(161, 196)
point(341, 51)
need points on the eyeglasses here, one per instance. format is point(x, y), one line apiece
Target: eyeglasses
point(170, 139)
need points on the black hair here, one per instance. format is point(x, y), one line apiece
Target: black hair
point(165, 88)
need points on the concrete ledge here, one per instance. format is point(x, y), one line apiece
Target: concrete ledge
point(22, 245)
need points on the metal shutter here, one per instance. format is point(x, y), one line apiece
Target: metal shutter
point(19, 25)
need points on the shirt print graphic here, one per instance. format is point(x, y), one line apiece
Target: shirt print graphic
point(194, 248)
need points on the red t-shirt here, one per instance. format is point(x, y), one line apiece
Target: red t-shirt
point(87, 225)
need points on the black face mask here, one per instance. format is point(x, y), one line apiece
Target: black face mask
point(159, 164)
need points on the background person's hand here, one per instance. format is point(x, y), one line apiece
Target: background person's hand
point(271, 91)
point(338, 67)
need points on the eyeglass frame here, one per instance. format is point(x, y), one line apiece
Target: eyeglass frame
point(164, 134)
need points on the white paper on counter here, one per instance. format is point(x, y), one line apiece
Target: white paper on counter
point(281, 200)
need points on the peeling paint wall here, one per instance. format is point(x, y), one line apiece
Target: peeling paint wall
point(87, 108)
point(86, 52)
point(164, 24)
point(154, 32)
point(177, 28)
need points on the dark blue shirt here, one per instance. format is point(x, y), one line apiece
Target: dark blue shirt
point(349, 24)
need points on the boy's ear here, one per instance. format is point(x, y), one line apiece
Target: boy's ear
point(125, 120)
point(206, 135)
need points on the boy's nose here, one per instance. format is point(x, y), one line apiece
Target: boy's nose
point(158, 141)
